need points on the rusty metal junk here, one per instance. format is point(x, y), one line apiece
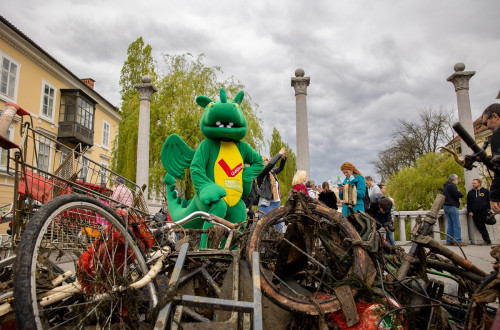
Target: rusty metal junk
point(325, 271)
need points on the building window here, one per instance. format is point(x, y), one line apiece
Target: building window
point(8, 77)
point(104, 174)
point(43, 154)
point(85, 169)
point(85, 114)
point(4, 153)
point(105, 134)
point(48, 100)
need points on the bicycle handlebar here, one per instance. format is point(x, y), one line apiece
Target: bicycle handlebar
point(213, 219)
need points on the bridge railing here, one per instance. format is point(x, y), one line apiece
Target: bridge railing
point(407, 220)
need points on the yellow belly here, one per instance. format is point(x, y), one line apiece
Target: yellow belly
point(228, 172)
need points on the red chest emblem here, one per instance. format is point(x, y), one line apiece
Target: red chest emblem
point(230, 172)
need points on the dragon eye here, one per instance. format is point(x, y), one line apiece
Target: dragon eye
point(237, 105)
point(210, 104)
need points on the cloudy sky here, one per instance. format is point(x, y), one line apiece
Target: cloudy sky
point(371, 63)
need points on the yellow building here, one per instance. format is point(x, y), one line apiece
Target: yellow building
point(63, 107)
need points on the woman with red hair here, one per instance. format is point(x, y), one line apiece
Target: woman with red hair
point(354, 177)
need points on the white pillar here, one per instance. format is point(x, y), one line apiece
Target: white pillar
point(300, 83)
point(146, 90)
point(460, 80)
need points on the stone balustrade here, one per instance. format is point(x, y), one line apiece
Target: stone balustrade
point(470, 234)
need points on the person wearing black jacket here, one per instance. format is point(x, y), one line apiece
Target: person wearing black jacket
point(327, 196)
point(267, 180)
point(380, 210)
point(491, 119)
point(451, 203)
point(478, 207)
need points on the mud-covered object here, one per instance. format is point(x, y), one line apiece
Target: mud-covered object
point(367, 229)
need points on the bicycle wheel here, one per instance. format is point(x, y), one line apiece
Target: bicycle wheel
point(78, 234)
point(304, 283)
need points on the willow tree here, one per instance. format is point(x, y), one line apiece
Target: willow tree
point(139, 62)
point(416, 187)
point(286, 176)
point(173, 108)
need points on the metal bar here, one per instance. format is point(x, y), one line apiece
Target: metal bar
point(215, 288)
point(216, 303)
point(257, 294)
point(192, 273)
point(163, 315)
point(196, 316)
point(7, 261)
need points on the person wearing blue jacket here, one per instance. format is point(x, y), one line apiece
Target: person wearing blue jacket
point(353, 176)
point(451, 204)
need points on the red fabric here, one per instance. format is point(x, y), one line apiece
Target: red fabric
point(369, 317)
point(100, 252)
point(169, 219)
point(301, 187)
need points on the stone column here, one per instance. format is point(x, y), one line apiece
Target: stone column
point(300, 83)
point(460, 80)
point(146, 90)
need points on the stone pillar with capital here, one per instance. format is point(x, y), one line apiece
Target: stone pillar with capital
point(300, 83)
point(460, 80)
point(146, 91)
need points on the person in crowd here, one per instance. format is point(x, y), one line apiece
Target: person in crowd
point(327, 196)
point(372, 187)
point(298, 181)
point(267, 180)
point(451, 203)
point(353, 176)
point(380, 210)
point(390, 234)
point(478, 207)
point(310, 185)
point(121, 194)
point(491, 119)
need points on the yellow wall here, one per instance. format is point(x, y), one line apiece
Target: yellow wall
point(35, 69)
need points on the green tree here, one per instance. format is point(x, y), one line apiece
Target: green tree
point(415, 188)
point(173, 108)
point(286, 176)
point(139, 63)
point(410, 140)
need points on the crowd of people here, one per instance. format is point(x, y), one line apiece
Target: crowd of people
point(360, 193)
point(370, 197)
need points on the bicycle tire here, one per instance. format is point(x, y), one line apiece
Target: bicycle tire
point(59, 235)
point(296, 303)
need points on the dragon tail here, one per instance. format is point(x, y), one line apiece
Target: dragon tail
point(178, 207)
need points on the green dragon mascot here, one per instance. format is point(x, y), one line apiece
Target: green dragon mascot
point(222, 167)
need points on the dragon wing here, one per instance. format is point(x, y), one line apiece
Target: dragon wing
point(176, 156)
